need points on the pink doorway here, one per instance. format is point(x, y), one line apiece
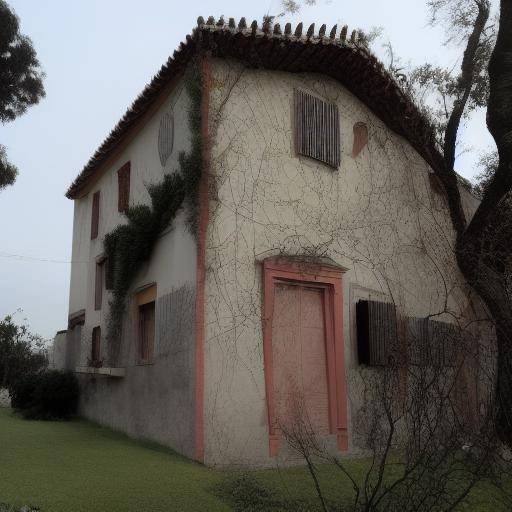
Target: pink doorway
point(303, 349)
point(299, 354)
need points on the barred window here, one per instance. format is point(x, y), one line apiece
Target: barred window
point(317, 129)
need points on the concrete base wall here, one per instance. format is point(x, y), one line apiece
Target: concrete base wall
point(152, 401)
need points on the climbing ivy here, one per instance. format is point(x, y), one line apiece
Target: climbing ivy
point(130, 245)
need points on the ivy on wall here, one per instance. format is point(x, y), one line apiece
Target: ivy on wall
point(130, 245)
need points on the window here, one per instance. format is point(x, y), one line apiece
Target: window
point(317, 129)
point(376, 333)
point(109, 274)
point(96, 345)
point(98, 284)
point(95, 216)
point(146, 318)
point(123, 181)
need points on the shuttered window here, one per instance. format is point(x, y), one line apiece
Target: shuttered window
point(123, 180)
point(146, 300)
point(108, 270)
point(317, 128)
point(96, 345)
point(432, 343)
point(98, 284)
point(95, 216)
point(376, 333)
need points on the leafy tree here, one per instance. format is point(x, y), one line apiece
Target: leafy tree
point(21, 352)
point(21, 80)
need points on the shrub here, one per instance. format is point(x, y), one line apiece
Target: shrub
point(23, 390)
point(46, 396)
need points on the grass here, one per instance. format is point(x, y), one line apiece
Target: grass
point(78, 466)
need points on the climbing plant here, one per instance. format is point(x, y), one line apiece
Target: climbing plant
point(130, 245)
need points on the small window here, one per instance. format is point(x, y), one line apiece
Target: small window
point(376, 333)
point(317, 129)
point(95, 216)
point(98, 284)
point(108, 270)
point(123, 181)
point(96, 345)
point(146, 311)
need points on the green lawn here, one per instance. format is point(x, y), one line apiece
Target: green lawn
point(78, 466)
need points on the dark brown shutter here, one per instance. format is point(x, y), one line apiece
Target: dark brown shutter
point(123, 180)
point(146, 331)
point(317, 128)
point(95, 217)
point(108, 269)
point(376, 333)
point(98, 285)
point(96, 344)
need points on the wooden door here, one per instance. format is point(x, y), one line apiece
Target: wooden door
point(299, 357)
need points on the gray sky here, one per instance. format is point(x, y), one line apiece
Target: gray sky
point(98, 55)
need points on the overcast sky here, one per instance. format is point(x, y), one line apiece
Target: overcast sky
point(98, 55)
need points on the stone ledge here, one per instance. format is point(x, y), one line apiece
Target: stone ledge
point(109, 372)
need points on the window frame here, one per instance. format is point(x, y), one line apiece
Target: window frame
point(144, 298)
point(96, 345)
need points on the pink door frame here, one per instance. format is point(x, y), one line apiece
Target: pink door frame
point(329, 278)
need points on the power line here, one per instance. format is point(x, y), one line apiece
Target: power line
point(21, 257)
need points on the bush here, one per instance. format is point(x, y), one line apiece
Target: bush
point(23, 390)
point(46, 396)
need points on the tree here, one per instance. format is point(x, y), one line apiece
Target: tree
point(21, 80)
point(21, 352)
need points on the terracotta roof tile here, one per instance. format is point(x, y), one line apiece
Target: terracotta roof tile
point(343, 58)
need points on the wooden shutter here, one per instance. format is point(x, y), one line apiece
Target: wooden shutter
point(146, 331)
point(432, 343)
point(98, 285)
point(376, 332)
point(95, 216)
point(96, 344)
point(108, 269)
point(317, 129)
point(123, 181)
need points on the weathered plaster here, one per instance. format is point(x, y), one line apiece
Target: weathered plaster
point(377, 216)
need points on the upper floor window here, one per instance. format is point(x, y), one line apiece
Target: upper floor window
point(98, 283)
point(95, 215)
point(317, 128)
point(123, 180)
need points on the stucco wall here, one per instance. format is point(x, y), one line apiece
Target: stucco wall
point(377, 216)
point(155, 400)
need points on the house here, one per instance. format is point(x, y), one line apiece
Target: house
point(304, 204)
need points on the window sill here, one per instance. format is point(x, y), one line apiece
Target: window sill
point(109, 372)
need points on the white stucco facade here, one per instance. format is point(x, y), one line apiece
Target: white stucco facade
point(376, 215)
point(152, 401)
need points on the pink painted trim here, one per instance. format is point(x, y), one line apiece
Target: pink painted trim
point(200, 265)
point(330, 279)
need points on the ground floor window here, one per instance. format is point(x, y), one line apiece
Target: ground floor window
point(146, 324)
